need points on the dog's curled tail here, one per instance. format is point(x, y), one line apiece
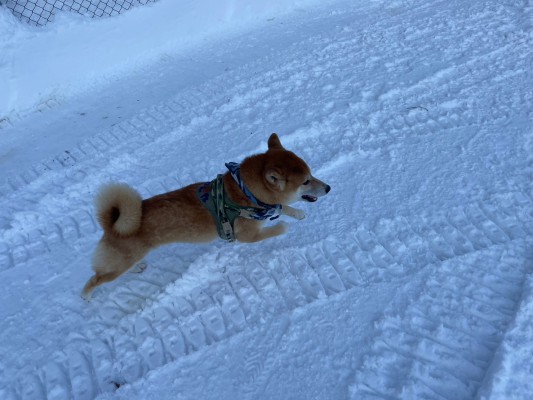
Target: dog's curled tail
point(119, 209)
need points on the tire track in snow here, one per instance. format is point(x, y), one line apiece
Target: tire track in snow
point(256, 362)
point(147, 333)
point(442, 344)
point(121, 138)
point(21, 239)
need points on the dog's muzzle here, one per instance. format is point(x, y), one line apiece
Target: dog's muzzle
point(311, 199)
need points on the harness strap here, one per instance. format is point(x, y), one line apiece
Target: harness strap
point(224, 211)
point(224, 221)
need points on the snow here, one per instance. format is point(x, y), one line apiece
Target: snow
point(411, 279)
point(108, 48)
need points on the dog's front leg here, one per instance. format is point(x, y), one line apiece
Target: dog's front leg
point(270, 231)
point(293, 212)
point(248, 231)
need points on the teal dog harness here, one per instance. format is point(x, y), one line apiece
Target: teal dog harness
point(224, 211)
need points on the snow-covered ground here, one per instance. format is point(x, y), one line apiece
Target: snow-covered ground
point(412, 279)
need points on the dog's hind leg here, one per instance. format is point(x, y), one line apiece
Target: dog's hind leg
point(96, 280)
point(109, 263)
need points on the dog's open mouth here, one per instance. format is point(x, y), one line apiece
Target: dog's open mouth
point(309, 198)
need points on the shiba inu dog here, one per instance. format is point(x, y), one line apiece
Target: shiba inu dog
point(233, 207)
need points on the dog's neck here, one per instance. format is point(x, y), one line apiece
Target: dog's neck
point(235, 172)
point(238, 192)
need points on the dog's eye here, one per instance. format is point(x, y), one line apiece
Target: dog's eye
point(307, 182)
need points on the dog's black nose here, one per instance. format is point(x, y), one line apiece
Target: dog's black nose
point(328, 188)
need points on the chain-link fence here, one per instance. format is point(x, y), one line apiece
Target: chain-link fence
point(40, 12)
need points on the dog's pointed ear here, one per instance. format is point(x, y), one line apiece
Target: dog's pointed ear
point(275, 179)
point(273, 142)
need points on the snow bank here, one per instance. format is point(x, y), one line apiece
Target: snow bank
point(72, 57)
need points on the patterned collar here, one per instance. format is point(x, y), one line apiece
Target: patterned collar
point(271, 211)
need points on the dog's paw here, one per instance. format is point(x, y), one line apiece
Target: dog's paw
point(294, 212)
point(86, 296)
point(139, 267)
point(299, 214)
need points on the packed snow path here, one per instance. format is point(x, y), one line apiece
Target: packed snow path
point(417, 265)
